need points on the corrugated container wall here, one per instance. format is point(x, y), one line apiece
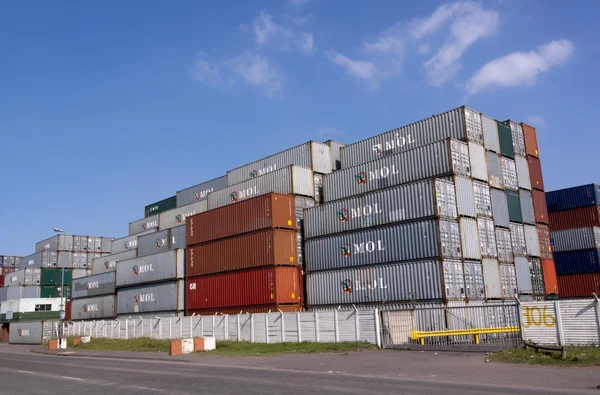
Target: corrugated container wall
point(143, 225)
point(150, 269)
point(100, 284)
point(505, 138)
point(176, 217)
point(531, 240)
point(492, 279)
point(500, 208)
point(568, 198)
point(517, 237)
point(163, 241)
point(581, 217)
point(465, 199)
point(576, 239)
point(487, 237)
point(336, 153)
point(108, 263)
point(527, 207)
point(522, 167)
point(461, 123)
point(55, 243)
point(469, 238)
point(311, 155)
point(523, 274)
point(514, 206)
point(454, 280)
point(518, 139)
point(266, 211)
point(55, 276)
point(550, 281)
point(289, 180)
point(504, 246)
point(545, 242)
point(579, 285)
point(478, 160)
point(474, 285)
point(199, 192)
point(509, 281)
point(577, 262)
point(31, 261)
point(99, 307)
point(490, 134)
point(531, 145)
point(128, 243)
point(29, 332)
point(395, 282)
point(509, 173)
point(483, 199)
point(494, 165)
point(168, 296)
point(437, 159)
point(160, 206)
point(537, 276)
point(535, 173)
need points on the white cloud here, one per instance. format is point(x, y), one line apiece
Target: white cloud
point(521, 68)
point(257, 71)
point(299, 3)
point(360, 69)
point(424, 49)
point(286, 38)
point(307, 42)
point(536, 120)
point(204, 70)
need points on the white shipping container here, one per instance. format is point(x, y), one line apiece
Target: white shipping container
point(504, 246)
point(492, 279)
point(517, 237)
point(522, 167)
point(523, 275)
point(509, 172)
point(487, 237)
point(483, 199)
point(128, 243)
point(490, 134)
point(465, 200)
point(469, 236)
point(531, 240)
point(143, 225)
point(108, 263)
point(454, 280)
point(509, 281)
point(475, 288)
point(478, 161)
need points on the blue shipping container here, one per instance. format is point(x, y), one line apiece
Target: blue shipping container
point(581, 196)
point(576, 262)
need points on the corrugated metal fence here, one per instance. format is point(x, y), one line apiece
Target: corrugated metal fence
point(321, 326)
point(562, 322)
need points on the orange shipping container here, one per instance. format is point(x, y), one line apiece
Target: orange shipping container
point(253, 287)
point(579, 285)
point(544, 240)
point(535, 172)
point(283, 308)
point(550, 281)
point(273, 210)
point(539, 206)
point(531, 145)
point(262, 248)
point(581, 217)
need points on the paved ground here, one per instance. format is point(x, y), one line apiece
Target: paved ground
point(22, 372)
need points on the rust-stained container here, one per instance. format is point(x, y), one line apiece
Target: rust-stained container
point(535, 172)
point(539, 206)
point(545, 243)
point(2, 280)
point(582, 217)
point(272, 210)
point(268, 308)
point(253, 287)
point(7, 270)
point(579, 285)
point(68, 311)
point(550, 281)
point(531, 145)
point(269, 247)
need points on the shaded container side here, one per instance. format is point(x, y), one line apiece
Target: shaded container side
point(336, 153)
point(108, 263)
point(465, 199)
point(97, 285)
point(537, 277)
point(78, 273)
point(483, 199)
point(577, 262)
point(66, 259)
point(160, 206)
point(545, 242)
point(98, 307)
point(487, 237)
point(267, 211)
point(477, 156)
point(106, 244)
point(522, 167)
point(55, 276)
point(492, 279)
point(504, 246)
point(568, 198)
point(199, 192)
point(579, 285)
point(490, 134)
point(32, 261)
point(389, 283)
point(260, 286)
point(22, 277)
point(581, 217)
point(514, 206)
point(55, 243)
point(517, 237)
point(143, 225)
point(454, 280)
point(261, 248)
point(163, 241)
point(128, 243)
point(523, 275)
point(469, 238)
point(531, 145)
point(535, 173)
point(292, 180)
point(509, 173)
point(311, 155)
point(532, 240)
point(500, 208)
point(461, 123)
point(252, 309)
point(576, 239)
point(408, 202)
point(396, 243)
point(527, 207)
point(30, 332)
point(474, 284)
point(550, 281)
point(151, 269)
point(494, 164)
point(505, 139)
point(167, 296)
point(518, 139)
point(509, 281)
point(176, 217)
point(437, 159)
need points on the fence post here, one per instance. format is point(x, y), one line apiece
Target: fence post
point(267, 327)
point(134, 328)
point(251, 328)
point(191, 327)
point(126, 328)
point(377, 327)
point(239, 335)
point(335, 322)
point(298, 324)
point(356, 324)
point(561, 341)
point(214, 328)
point(201, 326)
point(226, 328)
point(181, 327)
point(142, 324)
point(170, 328)
point(112, 329)
point(316, 326)
point(160, 328)
point(597, 312)
point(519, 320)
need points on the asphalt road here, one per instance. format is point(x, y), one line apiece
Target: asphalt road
point(44, 374)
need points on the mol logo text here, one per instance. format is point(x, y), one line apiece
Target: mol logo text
point(362, 248)
point(91, 285)
point(88, 308)
point(347, 286)
point(150, 225)
point(202, 194)
point(345, 215)
point(158, 243)
point(110, 265)
point(377, 174)
point(396, 142)
point(141, 269)
point(143, 298)
point(263, 171)
point(243, 194)
point(356, 285)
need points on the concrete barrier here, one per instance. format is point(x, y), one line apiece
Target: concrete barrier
point(205, 344)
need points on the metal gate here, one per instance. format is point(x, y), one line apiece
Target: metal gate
point(495, 326)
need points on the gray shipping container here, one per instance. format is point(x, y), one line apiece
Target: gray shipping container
point(151, 269)
point(176, 217)
point(437, 159)
point(483, 199)
point(475, 288)
point(109, 263)
point(517, 237)
point(167, 296)
point(311, 155)
point(527, 207)
point(336, 153)
point(509, 173)
point(12, 293)
point(461, 123)
point(55, 243)
point(389, 283)
point(80, 260)
point(199, 192)
point(523, 275)
point(469, 235)
point(98, 307)
point(522, 166)
point(163, 241)
point(531, 240)
point(55, 259)
point(492, 279)
point(143, 225)
point(293, 180)
point(107, 244)
point(11, 261)
point(490, 134)
point(465, 199)
point(576, 239)
point(487, 237)
point(496, 178)
point(454, 280)
point(31, 261)
point(500, 208)
point(128, 242)
point(478, 161)
point(100, 284)
point(504, 246)
point(408, 202)
point(509, 281)
point(396, 243)
point(78, 273)
point(23, 277)
point(39, 332)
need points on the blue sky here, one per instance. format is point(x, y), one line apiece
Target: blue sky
point(107, 107)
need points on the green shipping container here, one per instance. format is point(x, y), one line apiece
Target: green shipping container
point(514, 206)
point(54, 276)
point(32, 316)
point(164, 205)
point(51, 291)
point(506, 143)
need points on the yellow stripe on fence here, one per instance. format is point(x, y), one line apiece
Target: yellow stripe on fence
point(421, 335)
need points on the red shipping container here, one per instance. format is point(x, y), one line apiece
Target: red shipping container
point(549, 272)
point(531, 145)
point(273, 210)
point(68, 311)
point(544, 240)
point(283, 308)
point(539, 206)
point(535, 173)
point(253, 287)
point(6, 270)
point(581, 217)
point(262, 248)
point(2, 280)
point(579, 285)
